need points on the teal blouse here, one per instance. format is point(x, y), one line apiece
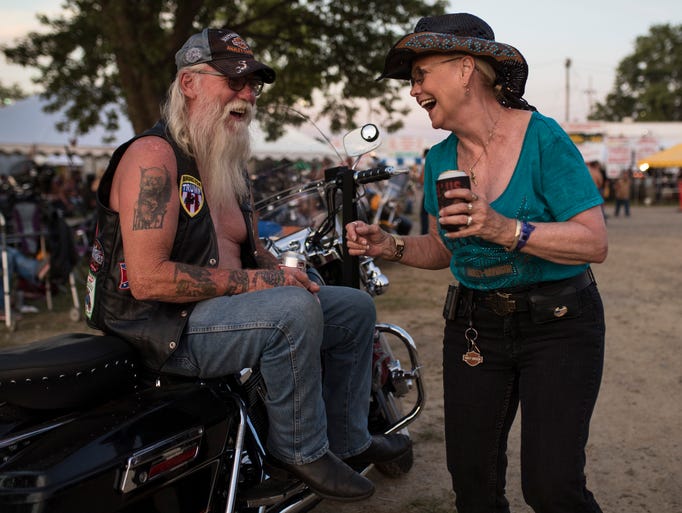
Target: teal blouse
point(550, 183)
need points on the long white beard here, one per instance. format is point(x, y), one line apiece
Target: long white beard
point(222, 147)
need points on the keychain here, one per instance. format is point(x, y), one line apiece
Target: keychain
point(473, 356)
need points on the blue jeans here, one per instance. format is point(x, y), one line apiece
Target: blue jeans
point(24, 266)
point(292, 335)
point(625, 203)
point(553, 370)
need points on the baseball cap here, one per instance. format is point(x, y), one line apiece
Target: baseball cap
point(224, 50)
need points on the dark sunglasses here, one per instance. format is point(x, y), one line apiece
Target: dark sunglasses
point(238, 83)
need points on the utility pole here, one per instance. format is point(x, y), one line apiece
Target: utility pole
point(590, 97)
point(568, 90)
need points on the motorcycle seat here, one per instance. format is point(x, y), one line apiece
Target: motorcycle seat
point(66, 371)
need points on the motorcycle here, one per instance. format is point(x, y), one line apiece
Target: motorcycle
point(386, 205)
point(311, 220)
point(85, 427)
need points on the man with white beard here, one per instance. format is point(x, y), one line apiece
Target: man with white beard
point(177, 270)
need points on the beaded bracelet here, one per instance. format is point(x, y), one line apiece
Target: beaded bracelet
point(526, 230)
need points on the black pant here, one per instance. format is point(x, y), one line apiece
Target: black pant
point(553, 370)
point(424, 218)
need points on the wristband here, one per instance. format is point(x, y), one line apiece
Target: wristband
point(526, 230)
point(517, 234)
point(399, 247)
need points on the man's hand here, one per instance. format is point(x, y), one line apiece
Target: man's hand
point(368, 239)
point(269, 278)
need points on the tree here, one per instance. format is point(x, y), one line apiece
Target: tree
point(10, 93)
point(648, 84)
point(100, 52)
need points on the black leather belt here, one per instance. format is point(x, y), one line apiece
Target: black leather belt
point(507, 301)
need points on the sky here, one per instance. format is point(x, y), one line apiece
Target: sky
point(594, 34)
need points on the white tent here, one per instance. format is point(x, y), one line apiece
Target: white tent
point(293, 145)
point(26, 129)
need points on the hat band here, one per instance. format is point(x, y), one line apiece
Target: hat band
point(427, 41)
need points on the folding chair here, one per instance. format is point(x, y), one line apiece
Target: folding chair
point(37, 229)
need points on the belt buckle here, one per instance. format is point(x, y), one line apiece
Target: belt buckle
point(501, 304)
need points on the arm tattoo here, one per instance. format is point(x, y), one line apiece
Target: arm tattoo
point(199, 283)
point(238, 283)
point(155, 193)
point(271, 278)
point(266, 260)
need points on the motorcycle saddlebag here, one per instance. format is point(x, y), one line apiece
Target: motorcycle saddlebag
point(155, 450)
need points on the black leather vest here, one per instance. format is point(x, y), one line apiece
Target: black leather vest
point(154, 327)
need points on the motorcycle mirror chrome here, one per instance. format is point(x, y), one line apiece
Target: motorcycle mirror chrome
point(362, 140)
point(369, 132)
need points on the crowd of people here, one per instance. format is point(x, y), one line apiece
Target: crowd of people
point(38, 203)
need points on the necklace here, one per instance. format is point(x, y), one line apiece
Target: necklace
point(491, 134)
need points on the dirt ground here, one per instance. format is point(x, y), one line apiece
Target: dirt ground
point(635, 446)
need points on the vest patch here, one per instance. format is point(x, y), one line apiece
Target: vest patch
point(191, 195)
point(123, 279)
point(96, 256)
point(91, 287)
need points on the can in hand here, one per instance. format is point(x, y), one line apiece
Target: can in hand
point(293, 259)
point(448, 180)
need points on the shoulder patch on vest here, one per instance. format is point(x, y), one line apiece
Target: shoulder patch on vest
point(123, 283)
point(191, 195)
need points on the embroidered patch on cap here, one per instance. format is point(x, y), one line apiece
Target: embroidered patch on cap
point(193, 55)
point(235, 43)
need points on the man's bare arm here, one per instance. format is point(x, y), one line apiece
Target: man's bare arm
point(152, 201)
point(202, 283)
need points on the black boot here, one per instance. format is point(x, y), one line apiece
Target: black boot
point(328, 477)
point(383, 449)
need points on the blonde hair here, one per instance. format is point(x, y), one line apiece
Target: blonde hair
point(489, 76)
point(487, 72)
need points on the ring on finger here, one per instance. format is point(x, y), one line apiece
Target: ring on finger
point(474, 197)
point(470, 207)
point(469, 220)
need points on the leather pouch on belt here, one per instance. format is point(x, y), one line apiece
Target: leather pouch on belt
point(549, 305)
point(451, 303)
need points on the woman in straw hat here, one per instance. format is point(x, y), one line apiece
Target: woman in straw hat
point(525, 325)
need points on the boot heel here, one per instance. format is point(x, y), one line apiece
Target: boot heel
point(277, 473)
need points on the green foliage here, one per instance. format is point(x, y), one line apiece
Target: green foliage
point(8, 94)
point(648, 84)
point(99, 52)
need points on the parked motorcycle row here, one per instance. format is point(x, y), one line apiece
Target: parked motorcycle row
point(85, 427)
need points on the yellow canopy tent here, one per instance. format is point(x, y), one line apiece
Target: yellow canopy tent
point(671, 157)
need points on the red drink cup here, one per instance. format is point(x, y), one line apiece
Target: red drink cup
point(449, 180)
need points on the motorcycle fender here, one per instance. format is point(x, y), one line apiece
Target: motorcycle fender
point(162, 446)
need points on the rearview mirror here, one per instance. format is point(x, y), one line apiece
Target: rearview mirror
point(362, 140)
